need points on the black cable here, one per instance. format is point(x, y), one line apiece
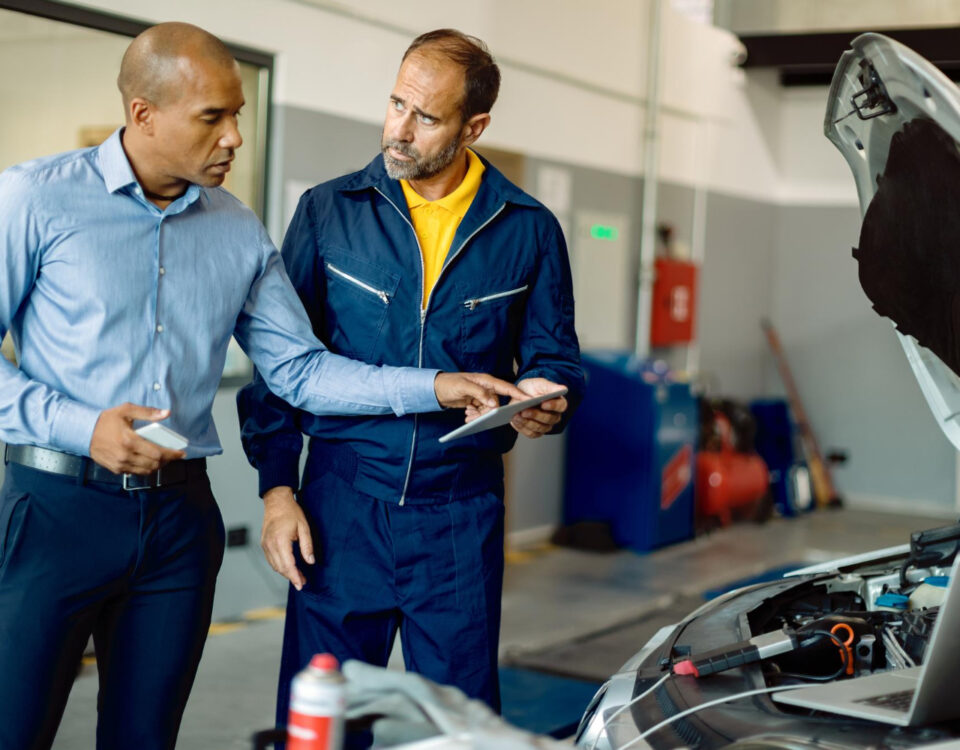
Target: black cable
point(810, 677)
point(845, 657)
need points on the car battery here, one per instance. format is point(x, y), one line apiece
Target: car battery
point(630, 453)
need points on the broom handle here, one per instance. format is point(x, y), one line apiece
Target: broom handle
point(823, 489)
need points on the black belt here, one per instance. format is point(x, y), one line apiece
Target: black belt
point(56, 462)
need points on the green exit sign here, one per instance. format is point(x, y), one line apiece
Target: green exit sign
point(602, 232)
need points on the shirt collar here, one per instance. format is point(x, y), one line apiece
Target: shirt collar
point(458, 202)
point(118, 174)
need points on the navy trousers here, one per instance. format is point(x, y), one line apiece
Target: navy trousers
point(433, 572)
point(134, 569)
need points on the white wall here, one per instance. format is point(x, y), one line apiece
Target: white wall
point(573, 85)
point(573, 88)
point(573, 72)
point(812, 171)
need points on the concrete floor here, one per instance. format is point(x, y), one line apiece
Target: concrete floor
point(550, 596)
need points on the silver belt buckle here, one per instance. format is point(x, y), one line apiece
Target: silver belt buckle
point(133, 482)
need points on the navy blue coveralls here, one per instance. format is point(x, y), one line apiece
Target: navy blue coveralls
point(409, 531)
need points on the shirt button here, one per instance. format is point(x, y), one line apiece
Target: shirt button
point(162, 270)
point(156, 386)
point(160, 328)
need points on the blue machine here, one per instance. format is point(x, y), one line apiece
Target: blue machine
point(630, 453)
point(775, 444)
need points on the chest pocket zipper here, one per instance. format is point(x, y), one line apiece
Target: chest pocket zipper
point(471, 304)
point(384, 296)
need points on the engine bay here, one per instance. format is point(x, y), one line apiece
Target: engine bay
point(877, 617)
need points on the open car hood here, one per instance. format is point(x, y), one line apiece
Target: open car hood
point(896, 120)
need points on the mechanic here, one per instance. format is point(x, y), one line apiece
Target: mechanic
point(426, 257)
point(127, 270)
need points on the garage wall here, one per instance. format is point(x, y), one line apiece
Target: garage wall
point(735, 294)
point(854, 378)
point(327, 146)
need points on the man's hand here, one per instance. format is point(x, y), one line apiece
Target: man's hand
point(283, 524)
point(540, 419)
point(119, 448)
point(475, 390)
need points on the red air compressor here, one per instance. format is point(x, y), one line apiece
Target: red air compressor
point(728, 480)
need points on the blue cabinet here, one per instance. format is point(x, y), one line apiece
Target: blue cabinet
point(630, 453)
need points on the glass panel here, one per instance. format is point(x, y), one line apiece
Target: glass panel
point(59, 92)
point(58, 86)
point(243, 179)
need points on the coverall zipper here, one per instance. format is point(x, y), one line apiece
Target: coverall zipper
point(384, 296)
point(471, 304)
point(423, 314)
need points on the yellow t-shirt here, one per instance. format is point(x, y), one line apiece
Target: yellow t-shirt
point(436, 222)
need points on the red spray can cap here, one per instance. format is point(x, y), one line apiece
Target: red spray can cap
point(325, 662)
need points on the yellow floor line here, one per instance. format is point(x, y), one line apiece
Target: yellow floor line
point(526, 554)
point(515, 557)
point(219, 628)
point(253, 615)
point(265, 613)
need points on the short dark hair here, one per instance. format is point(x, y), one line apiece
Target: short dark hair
point(480, 72)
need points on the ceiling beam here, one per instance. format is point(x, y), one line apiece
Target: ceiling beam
point(808, 59)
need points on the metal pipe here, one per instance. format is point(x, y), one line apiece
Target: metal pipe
point(648, 235)
point(698, 243)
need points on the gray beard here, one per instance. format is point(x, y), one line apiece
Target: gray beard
point(419, 168)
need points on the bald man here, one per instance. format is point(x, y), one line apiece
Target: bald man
point(127, 270)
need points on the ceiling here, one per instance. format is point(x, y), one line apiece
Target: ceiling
point(803, 39)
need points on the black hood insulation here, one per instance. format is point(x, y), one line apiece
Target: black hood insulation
point(909, 254)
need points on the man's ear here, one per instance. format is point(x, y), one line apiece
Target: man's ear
point(141, 115)
point(474, 127)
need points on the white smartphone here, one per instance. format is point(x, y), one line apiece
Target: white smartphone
point(162, 436)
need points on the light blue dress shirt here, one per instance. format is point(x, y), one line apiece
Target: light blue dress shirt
point(110, 299)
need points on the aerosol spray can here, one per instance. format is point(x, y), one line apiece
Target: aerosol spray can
point(317, 704)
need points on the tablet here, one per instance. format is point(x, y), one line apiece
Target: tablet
point(499, 416)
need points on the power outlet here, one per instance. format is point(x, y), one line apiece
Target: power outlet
point(237, 537)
